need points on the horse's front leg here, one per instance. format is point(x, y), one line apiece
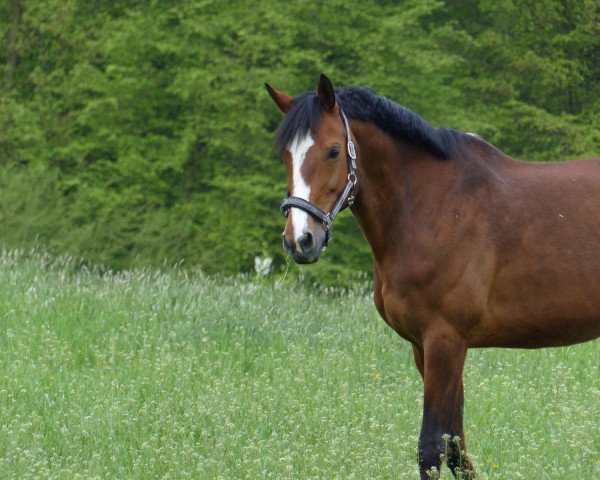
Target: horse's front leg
point(457, 458)
point(441, 361)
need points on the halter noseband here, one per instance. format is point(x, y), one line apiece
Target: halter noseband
point(310, 208)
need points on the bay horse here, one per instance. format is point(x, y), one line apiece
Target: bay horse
point(471, 248)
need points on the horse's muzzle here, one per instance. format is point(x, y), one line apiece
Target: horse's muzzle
point(306, 249)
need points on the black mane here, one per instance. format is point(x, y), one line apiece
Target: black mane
point(365, 105)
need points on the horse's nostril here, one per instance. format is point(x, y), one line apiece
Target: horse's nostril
point(306, 242)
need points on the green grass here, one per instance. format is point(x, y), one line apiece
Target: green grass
point(174, 375)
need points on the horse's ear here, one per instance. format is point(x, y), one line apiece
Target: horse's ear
point(326, 93)
point(283, 101)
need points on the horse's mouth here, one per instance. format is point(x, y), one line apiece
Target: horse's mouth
point(302, 258)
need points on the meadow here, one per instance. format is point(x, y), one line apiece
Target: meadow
point(172, 374)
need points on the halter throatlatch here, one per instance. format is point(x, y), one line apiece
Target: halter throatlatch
point(326, 219)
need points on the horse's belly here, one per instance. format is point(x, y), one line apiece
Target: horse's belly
point(520, 333)
point(554, 318)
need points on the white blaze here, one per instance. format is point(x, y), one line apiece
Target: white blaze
point(298, 148)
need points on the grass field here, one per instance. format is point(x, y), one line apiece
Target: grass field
point(173, 375)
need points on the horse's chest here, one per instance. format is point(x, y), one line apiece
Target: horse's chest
point(401, 312)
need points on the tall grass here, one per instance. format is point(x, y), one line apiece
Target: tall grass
point(170, 374)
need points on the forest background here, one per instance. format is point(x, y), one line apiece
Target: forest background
point(140, 133)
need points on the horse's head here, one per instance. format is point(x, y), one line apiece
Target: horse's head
point(314, 140)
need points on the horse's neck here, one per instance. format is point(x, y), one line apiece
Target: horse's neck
point(400, 188)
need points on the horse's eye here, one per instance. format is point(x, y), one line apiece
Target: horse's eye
point(333, 153)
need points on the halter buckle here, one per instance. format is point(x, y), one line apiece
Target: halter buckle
point(352, 178)
point(351, 150)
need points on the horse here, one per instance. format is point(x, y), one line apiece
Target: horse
point(471, 248)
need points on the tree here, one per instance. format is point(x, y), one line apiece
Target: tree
point(147, 130)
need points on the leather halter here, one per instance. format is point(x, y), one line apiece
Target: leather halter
point(310, 208)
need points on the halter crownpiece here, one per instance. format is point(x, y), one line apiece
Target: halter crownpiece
point(310, 208)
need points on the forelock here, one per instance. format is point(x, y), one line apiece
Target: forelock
point(304, 116)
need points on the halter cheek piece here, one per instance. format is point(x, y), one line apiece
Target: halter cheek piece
point(310, 208)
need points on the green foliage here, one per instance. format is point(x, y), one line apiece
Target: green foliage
point(149, 124)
